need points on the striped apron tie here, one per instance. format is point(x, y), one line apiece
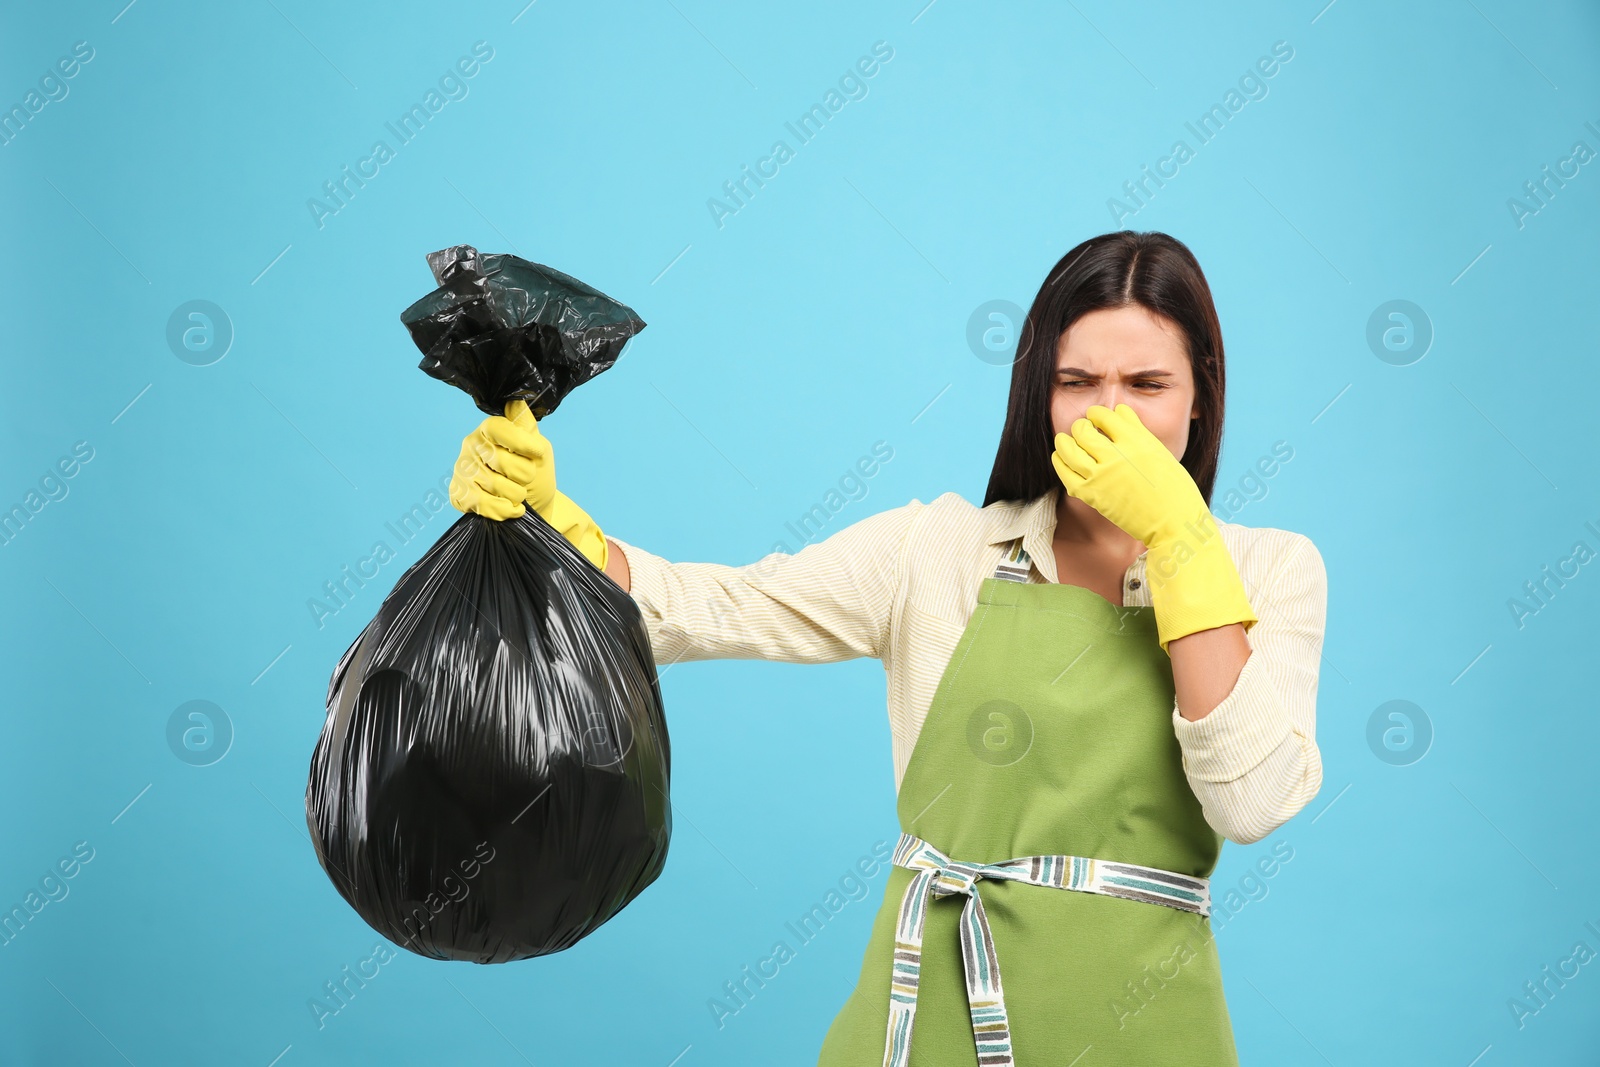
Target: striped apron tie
point(938, 875)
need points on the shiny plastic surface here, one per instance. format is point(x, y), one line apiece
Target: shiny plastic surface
point(492, 778)
point(503, 329)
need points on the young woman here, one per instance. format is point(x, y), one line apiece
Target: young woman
point(1092, 682)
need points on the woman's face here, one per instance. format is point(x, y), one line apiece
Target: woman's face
point(1126, 355)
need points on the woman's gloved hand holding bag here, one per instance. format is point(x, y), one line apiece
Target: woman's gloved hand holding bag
point(1113, 463)
point(507, 462)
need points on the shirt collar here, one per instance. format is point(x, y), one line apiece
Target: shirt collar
point(1013, 519)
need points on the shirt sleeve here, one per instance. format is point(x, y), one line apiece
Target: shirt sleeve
point(832, 600)
point(1253, 761)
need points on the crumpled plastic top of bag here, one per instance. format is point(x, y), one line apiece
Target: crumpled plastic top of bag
point(502, 329)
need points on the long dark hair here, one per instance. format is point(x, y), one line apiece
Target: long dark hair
point(1151, 270)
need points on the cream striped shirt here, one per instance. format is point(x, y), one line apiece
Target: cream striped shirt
point(899, 586)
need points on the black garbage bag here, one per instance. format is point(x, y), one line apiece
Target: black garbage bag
point(492, 778)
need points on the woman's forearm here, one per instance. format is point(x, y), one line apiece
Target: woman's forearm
point(1205, 668)
point(617, 565)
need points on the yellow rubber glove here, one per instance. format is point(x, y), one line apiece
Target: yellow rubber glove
point(506, 463)
point(1113, 463)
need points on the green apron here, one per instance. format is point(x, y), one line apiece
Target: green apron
point(1048, 757)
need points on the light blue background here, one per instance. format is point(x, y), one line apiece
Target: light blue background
point(824, 316)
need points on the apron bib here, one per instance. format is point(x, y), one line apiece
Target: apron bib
point(1049, 839)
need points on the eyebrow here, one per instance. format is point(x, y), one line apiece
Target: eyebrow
point(1079, 372)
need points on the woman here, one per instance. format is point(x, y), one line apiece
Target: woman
point(1092, 682)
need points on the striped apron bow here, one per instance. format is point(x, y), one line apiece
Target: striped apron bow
point(938, 876)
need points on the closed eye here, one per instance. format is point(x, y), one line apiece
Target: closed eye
point(1083, 381)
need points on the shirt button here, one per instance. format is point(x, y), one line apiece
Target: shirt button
point(1134, 584)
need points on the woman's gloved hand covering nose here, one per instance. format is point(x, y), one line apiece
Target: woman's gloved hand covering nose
point(506, 463)
point(1113, 463)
